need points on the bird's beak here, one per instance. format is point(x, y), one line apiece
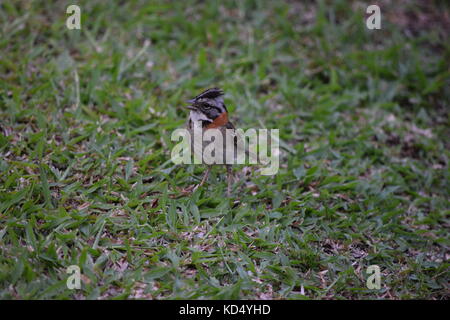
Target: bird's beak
point(190, 101)
point(191, 107)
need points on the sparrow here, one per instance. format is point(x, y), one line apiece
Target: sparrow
point(208, 109)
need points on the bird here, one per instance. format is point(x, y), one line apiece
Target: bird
point(208, 109)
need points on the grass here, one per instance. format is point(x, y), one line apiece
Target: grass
point(85, 172)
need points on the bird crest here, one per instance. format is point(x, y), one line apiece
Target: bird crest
point(211, 93)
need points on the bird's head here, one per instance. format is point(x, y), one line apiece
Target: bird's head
point(207, 106)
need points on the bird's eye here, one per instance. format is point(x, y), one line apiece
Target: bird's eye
point(206, 107)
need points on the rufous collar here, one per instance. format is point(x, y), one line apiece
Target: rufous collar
point(220, 121)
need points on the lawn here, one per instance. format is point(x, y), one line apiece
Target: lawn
point(86, 177)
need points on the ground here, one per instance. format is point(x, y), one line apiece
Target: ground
point(85, 172)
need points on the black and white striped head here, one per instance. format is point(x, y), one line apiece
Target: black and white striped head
point(207, 106)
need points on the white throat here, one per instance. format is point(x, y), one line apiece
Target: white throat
point(198, 116)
